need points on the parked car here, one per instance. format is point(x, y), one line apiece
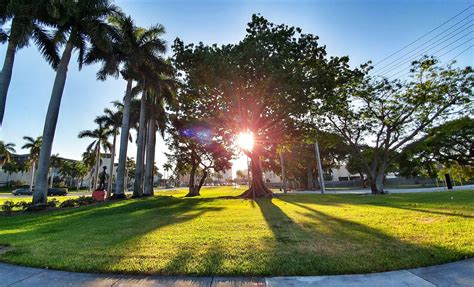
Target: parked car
point(57, 191)
point(22, 191)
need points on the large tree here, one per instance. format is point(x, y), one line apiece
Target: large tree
point(112, 121)
point(451, 143)
point(161, 95)
point(100, 139)
point(150, 73)
point(388, 115)
point(262, 85)
point(134, 48)
point(196, 148)
point(34, 145)
point(6, 151)
point(27, 22)
point(79, 23)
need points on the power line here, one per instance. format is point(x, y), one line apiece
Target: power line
point(379, 70)
point(464, 51)
point(426, 51)
point(422, 36)
point(387, 67)
point(455, 48)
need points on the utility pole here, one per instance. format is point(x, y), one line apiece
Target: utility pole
point(320, 168)
point(283, 177)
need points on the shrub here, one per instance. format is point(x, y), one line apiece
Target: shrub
point(53, 203)
point(85, 200)
point(8, 206)
point(69, 203)
point(23, 205)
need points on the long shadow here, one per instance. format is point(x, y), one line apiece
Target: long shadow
point(191, 262)
point(425, 211)
point(398, 202)
point(103, 236)
point(324, 244)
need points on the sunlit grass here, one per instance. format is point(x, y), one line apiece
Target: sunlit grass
point(289, 235)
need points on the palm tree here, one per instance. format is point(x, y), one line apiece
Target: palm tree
point(10, 167)
point(26, 18)
point(54, 163)
point(134, 47)
point(78, 23)
point(6, 151)
point(151, 75)
point(129, 170)
point(100, 138)
point(34, 145)
point(112, 120)
point(162, 94)
point(88, 158)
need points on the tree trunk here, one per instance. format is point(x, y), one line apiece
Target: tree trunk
point(195, 191)
point(125, 180)
point(257, 188)
point(150, 155)
point(91, 178)
point(41, 186)
point(377, 181)
point(122, 163)
point(138, 185)
point(283, 173)
point(33, 168)
point(309, 173)
point(51, 179)
point(192, 175)
point(97, 166)
point(6, 76)
point(111, 166)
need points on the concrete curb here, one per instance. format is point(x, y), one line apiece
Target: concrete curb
point(459, 273)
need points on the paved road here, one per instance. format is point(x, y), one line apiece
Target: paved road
point(390, 190)
point(454, 274)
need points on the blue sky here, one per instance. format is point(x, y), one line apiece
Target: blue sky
point(364, 30)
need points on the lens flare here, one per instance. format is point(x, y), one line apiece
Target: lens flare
point(245, 141)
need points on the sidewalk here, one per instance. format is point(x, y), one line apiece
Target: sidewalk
point(390, 190)
point(459, 273)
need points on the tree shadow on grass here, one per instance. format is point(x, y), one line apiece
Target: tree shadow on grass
point(194, 261)
point(101, 237)
point(412, 202)
point(322, 244)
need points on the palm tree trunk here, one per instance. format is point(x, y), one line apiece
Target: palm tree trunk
point(138, 185)
point(150, 154)
point(6, 76)
point(51, 180)
point(41, 186)
point(33, 168)
point(112, 159)
point(125, 180)
point(122, 164)
point(97, 166)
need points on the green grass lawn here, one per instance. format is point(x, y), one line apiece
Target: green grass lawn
point(290, 235)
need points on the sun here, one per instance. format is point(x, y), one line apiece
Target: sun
point(245, 141)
